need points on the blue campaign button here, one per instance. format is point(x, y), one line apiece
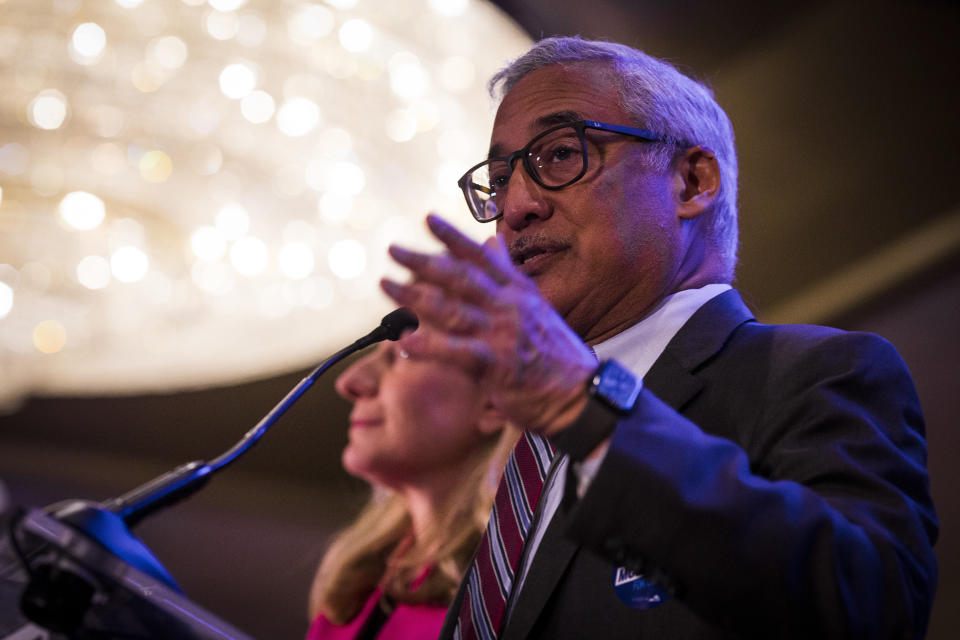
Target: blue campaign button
point(635, 591)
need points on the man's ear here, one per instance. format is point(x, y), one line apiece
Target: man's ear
point(697, 180)
point(491, 420)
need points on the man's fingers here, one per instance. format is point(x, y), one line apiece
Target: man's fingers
point(464, 248)
point(458, 277)
point(472, 355)
point(434, 308)
point(499, 257)
point(459, 244)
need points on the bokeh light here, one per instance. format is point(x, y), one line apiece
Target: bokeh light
point(49, 336)
point(408, 79)
point(48, 110)
point(295, 260)
point(169, 52)
point(82, 210)
point(356, 35)
point(129, 264)
point(310, 23)
point(257, 106)
point(227, 5)
point(155, 166)
point(237, 80)
point(93, 272)
point(6, 299)
point(233, 221)
point(449, 8)
point(208, 244)
point(249, 256)
point(222, 25)
point(347, 259)
point(87, 43)
point(298, 117)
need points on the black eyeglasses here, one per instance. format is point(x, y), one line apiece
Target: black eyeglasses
point(555, 158)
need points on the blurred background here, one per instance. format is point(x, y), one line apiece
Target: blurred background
point(196, 197)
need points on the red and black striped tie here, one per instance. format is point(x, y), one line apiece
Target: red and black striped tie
point(491, 576)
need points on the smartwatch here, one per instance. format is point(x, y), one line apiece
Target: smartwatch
point(612, 394)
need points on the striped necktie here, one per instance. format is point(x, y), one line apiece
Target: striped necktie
point(490, 577)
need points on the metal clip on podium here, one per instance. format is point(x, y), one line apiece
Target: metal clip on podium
point(74, 569)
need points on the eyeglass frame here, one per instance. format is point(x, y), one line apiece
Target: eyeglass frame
point(523, 154)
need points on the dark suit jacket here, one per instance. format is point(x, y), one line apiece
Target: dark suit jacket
point(772, 480)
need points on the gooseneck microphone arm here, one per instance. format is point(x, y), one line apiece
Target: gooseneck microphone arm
point(186, 479)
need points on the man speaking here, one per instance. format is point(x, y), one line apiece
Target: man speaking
point(686, 471)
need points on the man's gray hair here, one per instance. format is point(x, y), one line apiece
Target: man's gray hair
point(662, 99)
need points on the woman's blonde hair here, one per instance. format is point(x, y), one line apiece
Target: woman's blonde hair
point(362, 556)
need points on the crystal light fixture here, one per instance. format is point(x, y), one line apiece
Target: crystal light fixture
point(201, 192)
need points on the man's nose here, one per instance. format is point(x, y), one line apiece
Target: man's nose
point(524, 201)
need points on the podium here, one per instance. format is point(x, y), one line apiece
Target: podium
point(89, 590)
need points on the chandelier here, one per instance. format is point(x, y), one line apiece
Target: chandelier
point(199, 192)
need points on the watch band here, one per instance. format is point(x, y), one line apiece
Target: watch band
point(594, 425)
point(613, 391)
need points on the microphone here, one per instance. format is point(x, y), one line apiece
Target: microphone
point(185, 480)
point(60, 589)
point(391, 328)
point(398, 321)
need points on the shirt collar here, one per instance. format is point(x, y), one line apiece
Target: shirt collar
point(639, 346)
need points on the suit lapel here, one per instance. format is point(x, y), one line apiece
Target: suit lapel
point(672, 377)
point(671, 382)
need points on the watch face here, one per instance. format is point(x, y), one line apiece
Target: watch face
point(617, 385)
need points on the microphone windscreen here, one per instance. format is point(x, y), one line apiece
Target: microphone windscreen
point(398, 321)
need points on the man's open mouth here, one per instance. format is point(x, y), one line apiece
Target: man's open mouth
point(528, 249)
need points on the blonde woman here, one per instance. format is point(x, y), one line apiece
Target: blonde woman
point(433, 448)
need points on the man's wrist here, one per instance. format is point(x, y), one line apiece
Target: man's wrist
point(568, 414)
point(612, 393)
